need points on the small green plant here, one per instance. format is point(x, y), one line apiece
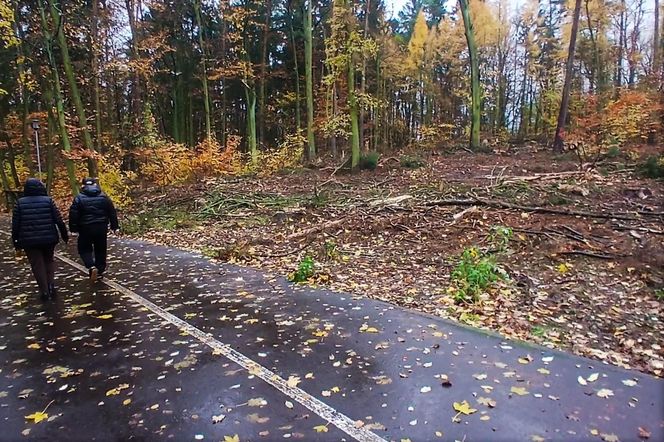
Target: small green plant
point(500, 237)
point(538, 331)
point(304, 271)
point(659, 294)
point(653, 167)
point(473, 275)
point(369, 161)
point(411, 162)
point(613, 152)
point(331, 252)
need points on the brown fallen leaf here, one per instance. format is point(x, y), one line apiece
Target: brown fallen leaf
point(486, 401)
point(254, 418)
point(643, 433)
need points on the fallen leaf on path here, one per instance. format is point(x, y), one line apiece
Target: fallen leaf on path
point(464, 408)
point(593, 377)
point(609, 437)
point(126, 402)
point(486, 401)
point(605, 393)
point(643, 433)
point(581, 380)
point(289, 405)
point(425, 389)
point(321, 429)
point(34, 346)
point(37, 417)
point(234, 438)
point(366, 329)
point(257, 402)
point(519, 390)
point(293, 381)
point(629, 382)
point(255, 418)
point(105, 317)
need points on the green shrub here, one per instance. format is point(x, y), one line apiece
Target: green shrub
point(369, 161)
point(304, 271)
point(613, 152)
point(500, 237)
point(411, 162)
point(653, 167)
point(473, 275)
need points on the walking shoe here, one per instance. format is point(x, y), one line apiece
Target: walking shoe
point(52, 291)
point(94, 274)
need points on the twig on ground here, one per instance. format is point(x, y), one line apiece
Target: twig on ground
point(592, 254)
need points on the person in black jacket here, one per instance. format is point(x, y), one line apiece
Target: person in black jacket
point(90, 215)
point(35, 224)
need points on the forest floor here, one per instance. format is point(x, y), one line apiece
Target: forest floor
point(587, 276)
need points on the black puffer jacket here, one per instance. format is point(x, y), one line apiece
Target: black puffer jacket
point(35, 219)
point(92, 208)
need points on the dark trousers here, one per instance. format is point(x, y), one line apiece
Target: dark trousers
point(43, 266)
point(92, 246)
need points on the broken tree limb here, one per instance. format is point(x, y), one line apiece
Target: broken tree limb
point(592, 254)
point(537, 209)
point(315, 229)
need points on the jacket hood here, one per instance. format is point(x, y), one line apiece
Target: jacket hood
point(34, 187)
point(92, 189)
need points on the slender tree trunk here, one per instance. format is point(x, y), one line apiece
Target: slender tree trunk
point(73, 86)
point(308, 72)
point(204, 80)
point(96, 53)
point(564, 104)
point(263, 72)
point(656, 48)
point(50, 153)
point(355, 130)
point(222, 6)
point(23, 91)
point(296, 69)
point(474, 76)
point(363, 81)
point(11, 157)
point(250, 94)
point(59, 102)
point(621, 50)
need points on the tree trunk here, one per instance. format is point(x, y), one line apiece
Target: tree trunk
point(250, 94)
point(59, 102)
point(298, 98)
point(308, 71)
point(562, 115)
point(474, 76)
point(23, 92)
point(73, 86)
point(95, 73)
point(204, 80)
point(355, 130)
point(656, 49)
point(263, 72)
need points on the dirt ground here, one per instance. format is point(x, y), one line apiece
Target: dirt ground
point(589, 281)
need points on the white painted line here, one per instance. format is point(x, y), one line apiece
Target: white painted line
point(336, 418)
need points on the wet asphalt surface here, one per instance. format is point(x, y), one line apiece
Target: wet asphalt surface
point(113, 370)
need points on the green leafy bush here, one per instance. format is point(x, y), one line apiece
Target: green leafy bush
point(653, 167)
point(473, 275)
point(304, 271)
point(369, 161)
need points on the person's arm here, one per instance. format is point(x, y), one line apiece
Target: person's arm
point(59, 222)
point(74, 214)
point(112, 215)
point(16, 224)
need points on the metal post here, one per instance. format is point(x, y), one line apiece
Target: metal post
point(35, 127)
point(39, 165)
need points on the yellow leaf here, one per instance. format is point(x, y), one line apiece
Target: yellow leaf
point(293, 381)
point(593, 377)
point(605, 393)
point(519, 390)
point(320, 333)
point(126, 402)
point(563, 268)
point(34, 346)
point(37, 417)
point(309, 376)
point(366, 329)
point(234, 438)
point(485, 418)
point(105, 317)
point(335, 389)
point(543, 371)
point(257, 402)
point(405, 440)
point(464, 408)
point(321, 429)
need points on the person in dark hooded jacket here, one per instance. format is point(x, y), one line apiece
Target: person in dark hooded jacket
point(35, 224)
point(90, 215)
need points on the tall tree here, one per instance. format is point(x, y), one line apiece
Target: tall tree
point(569, 67)
point(308, 72)
point(204, 74)
point(476, 94)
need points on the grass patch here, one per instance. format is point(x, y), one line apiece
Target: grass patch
point(473, 275)
point(659, 294)
point(162, 218)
